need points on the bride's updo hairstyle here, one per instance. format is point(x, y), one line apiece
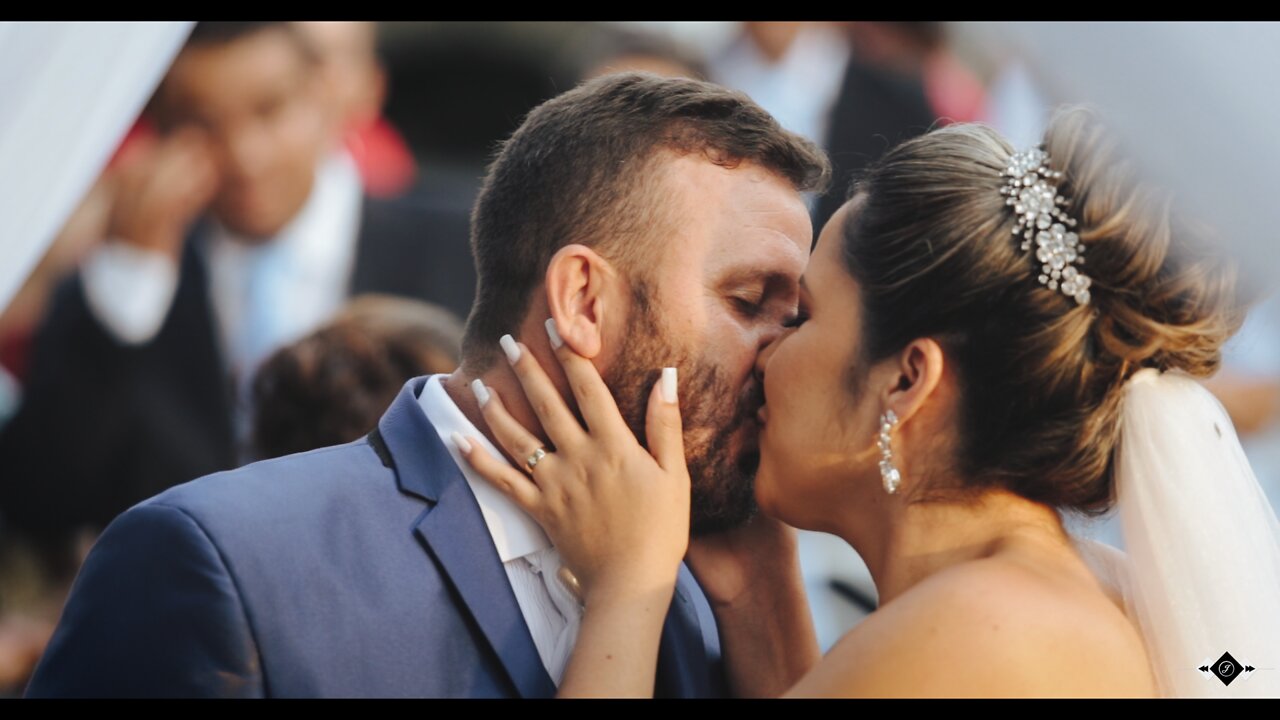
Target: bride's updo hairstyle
point(1040, 376)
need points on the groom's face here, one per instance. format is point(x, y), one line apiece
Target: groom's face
point(716, 294)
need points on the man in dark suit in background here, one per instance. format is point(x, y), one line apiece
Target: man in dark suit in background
point(874, 110)
point(240, 226)
point(645, 222)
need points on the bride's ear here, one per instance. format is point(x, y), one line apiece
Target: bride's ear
point(580, 286)
point(914, 377)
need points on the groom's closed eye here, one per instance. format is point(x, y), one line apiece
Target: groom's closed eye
point(761, 294)
point(763, 306)
point(749, 305)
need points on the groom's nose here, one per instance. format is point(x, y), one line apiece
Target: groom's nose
point(762, 359)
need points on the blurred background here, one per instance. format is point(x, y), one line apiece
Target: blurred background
point(280, 217)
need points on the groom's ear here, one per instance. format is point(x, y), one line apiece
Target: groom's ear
point(913, 377)
point(581, 297)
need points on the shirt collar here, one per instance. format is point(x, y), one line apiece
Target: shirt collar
point(515, 533)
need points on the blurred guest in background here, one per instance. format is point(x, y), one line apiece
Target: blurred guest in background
point(332, 386)
point(792, 69)
point(920, 51)
point(814, 78)
point(357, 87)
point(612, 50)
point(235, 230)
point(19, 319)
point(874, 110)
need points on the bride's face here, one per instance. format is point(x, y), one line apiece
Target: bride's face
point(817, 442)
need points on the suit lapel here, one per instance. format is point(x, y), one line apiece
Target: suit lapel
point(454, 532)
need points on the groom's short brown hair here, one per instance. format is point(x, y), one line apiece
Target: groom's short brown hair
point(582, 168)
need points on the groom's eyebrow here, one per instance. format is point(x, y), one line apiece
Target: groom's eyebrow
point(769, 280)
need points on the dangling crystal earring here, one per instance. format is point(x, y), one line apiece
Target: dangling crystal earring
point(888, 472)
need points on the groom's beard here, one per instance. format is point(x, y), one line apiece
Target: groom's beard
point(714, 413)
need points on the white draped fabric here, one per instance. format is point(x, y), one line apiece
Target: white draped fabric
point(68, 94)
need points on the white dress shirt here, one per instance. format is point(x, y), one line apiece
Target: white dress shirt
point(531, 561)
point(306, 277)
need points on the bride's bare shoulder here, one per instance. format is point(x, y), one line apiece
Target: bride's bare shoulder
point(986, 629)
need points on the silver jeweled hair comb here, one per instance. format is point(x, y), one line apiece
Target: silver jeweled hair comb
point(1032, 191)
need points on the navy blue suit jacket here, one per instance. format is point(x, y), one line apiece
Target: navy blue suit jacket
point(363, 569)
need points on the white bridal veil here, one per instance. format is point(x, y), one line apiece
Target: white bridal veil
point(1202, 576)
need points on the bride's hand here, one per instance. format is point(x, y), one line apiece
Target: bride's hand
point(617, 513)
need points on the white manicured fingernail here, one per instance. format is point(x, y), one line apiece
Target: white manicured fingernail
point(462, 443)
point(510, 347)
point(669, 385)
point(482, 392)
point(554, 334)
